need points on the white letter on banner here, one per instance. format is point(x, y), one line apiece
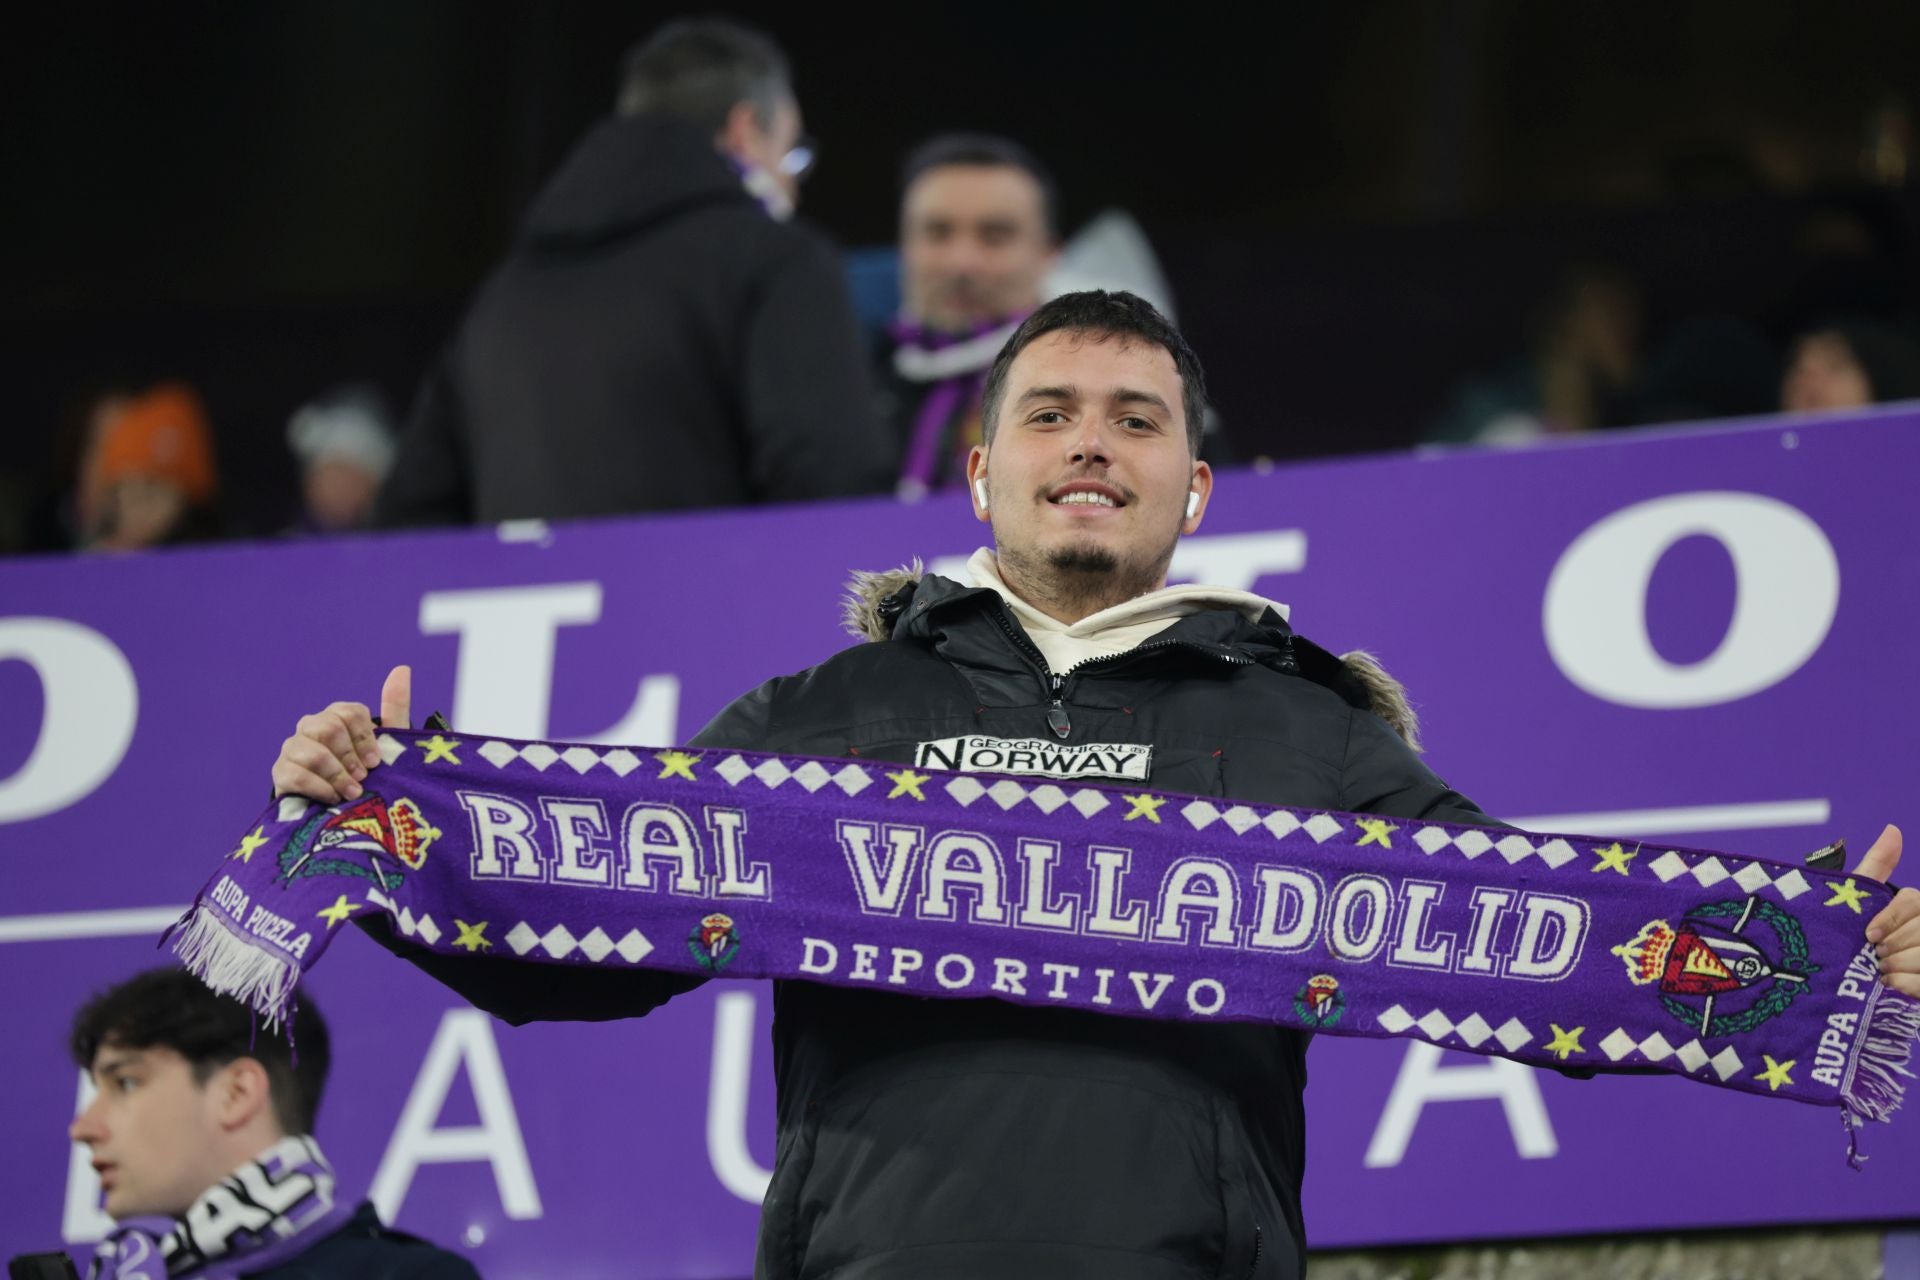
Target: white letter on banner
point(500, 824)
point(1553, 932)
point(91, 703)
point(577, 859)
point(1422, 1080)
point(1787, 588)
point(732, 1163)
point(465, 1036)
point(504, 679)
point(83, 1221)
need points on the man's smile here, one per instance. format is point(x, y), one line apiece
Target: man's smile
point(1087, 497)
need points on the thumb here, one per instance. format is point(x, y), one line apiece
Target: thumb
point(1881, 860)
point(396, 698)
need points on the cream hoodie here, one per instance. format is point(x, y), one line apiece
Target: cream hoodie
point(1113, 630)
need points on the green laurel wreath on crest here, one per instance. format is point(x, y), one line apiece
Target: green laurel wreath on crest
point(1306, 1014)
point(706, 960)
point(296, 845)
point(1793, 956)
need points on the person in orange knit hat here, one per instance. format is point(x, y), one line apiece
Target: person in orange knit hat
point(150, 477)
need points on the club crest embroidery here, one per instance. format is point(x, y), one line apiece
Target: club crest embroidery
point(1725, 968)
point(714, 942)
point(1321, 1002)
point(394, 836)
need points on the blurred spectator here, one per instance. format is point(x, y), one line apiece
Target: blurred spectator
point(344, 442)
point(1584, 353)
point(1848, 365)
point(659, 335)
point(58, 517)
point(201, 1131)
point(978, 235)
point(148, 478)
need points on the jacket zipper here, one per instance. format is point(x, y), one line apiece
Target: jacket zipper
point(1056, 683)
point(1057, 713)
point(1057, 718)
point(1254, 1267)
point(1121, 659)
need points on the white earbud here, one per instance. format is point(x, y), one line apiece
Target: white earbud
point(980, 492)
point(1193, 503)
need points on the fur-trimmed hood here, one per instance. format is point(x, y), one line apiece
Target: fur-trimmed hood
point(875, 602)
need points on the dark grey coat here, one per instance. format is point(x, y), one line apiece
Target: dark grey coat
point(653, 341)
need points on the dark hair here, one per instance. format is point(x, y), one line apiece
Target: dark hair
point(699, 69)
point(1101, 314)
point(171, 1009)
point(987, 151)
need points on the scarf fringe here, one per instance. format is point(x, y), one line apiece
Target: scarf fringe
point(1872, 1091)
point(230, 965)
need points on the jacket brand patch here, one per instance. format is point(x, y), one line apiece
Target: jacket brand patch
point(1125, 761)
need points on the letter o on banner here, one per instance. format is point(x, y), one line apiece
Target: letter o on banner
point(965, 966)
point(1787, 589)
point(91, 703)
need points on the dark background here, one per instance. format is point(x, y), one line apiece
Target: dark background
point(1357, 204)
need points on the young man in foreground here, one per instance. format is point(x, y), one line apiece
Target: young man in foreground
point(201, 1131)
point(949, 1138)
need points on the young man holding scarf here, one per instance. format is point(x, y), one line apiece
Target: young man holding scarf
point(978, 1137)
point(201, 1131)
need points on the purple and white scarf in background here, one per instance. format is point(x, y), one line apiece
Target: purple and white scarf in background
point(1559, 950)
point(956, 365)
point(267, 1212)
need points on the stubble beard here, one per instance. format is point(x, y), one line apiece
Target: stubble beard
point(1078, 580)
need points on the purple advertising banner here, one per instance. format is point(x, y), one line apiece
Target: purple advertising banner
point(1699, 635)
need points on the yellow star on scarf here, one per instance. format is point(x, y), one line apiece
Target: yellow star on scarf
point(472, 936)
point(1147, 807)
point(1376, 829)
point(439, 748)
point(1614, 858)
point(1848, 894)
point(1776, 1073)
point(248, 844)
point(1565, 1042)
point(908, 783)
point(339, 911)
point(677, 764)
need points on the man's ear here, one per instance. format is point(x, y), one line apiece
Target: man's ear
point(741, 130)
point(1201, 489)
point(977, 487)
point(243, 1091)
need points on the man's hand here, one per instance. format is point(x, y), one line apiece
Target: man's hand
point(331, 751)
point(1895, 932)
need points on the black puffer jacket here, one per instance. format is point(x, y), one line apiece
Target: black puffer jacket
point(939, 1138)
point(653, 341)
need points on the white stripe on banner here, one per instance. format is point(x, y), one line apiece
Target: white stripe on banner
point(88, 924)
point(1699, 817)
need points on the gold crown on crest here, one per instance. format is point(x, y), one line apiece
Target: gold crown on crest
point(1646, 953)
point(411, 832)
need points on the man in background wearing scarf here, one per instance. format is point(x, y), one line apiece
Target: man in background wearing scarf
point(978, 235)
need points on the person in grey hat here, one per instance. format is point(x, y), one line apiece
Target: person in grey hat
point(344, 441)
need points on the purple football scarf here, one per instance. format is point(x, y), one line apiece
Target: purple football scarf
point(264, 1213)
point(956, 365)
point(1558, 950)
